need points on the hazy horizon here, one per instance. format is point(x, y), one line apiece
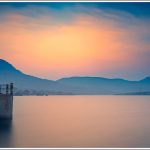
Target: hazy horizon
point(71, 76)
point(57, 40)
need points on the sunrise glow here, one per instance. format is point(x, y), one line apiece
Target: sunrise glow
point(56, 43)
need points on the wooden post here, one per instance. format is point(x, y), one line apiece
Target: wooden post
point(0, 89)
point(7, 88)
point(11, 88)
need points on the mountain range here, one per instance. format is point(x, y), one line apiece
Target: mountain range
point(71, 85)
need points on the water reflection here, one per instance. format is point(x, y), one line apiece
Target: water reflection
point(78, 121)
point(5, 133)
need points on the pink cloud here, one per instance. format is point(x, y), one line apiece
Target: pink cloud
point(84, 45)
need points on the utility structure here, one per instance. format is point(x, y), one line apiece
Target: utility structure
point(6, 101)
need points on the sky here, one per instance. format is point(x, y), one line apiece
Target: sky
point(54, 40)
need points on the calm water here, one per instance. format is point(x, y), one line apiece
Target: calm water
point(78, 121)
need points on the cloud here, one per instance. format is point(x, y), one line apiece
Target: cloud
point(77, 40)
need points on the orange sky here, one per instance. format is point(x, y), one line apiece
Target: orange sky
point(85, 45)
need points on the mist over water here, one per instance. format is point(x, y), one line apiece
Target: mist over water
point(78, 121)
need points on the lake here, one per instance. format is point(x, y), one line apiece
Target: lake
point(78, 121)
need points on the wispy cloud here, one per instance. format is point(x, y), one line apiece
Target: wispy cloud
point(77, 40)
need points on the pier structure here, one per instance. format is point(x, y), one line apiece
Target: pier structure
point(6, 101)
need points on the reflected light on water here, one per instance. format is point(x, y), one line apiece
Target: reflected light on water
point(78, 121)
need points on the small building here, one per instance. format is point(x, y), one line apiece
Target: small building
point(6, 101)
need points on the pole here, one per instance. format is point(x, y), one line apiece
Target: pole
point(7, 88)
point(11, 88)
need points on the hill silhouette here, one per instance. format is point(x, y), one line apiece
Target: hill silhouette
point(72, 85)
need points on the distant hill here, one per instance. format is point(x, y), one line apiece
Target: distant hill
point(135, 93)
point(9, 73)
point(99, 85)
point(72, 85)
